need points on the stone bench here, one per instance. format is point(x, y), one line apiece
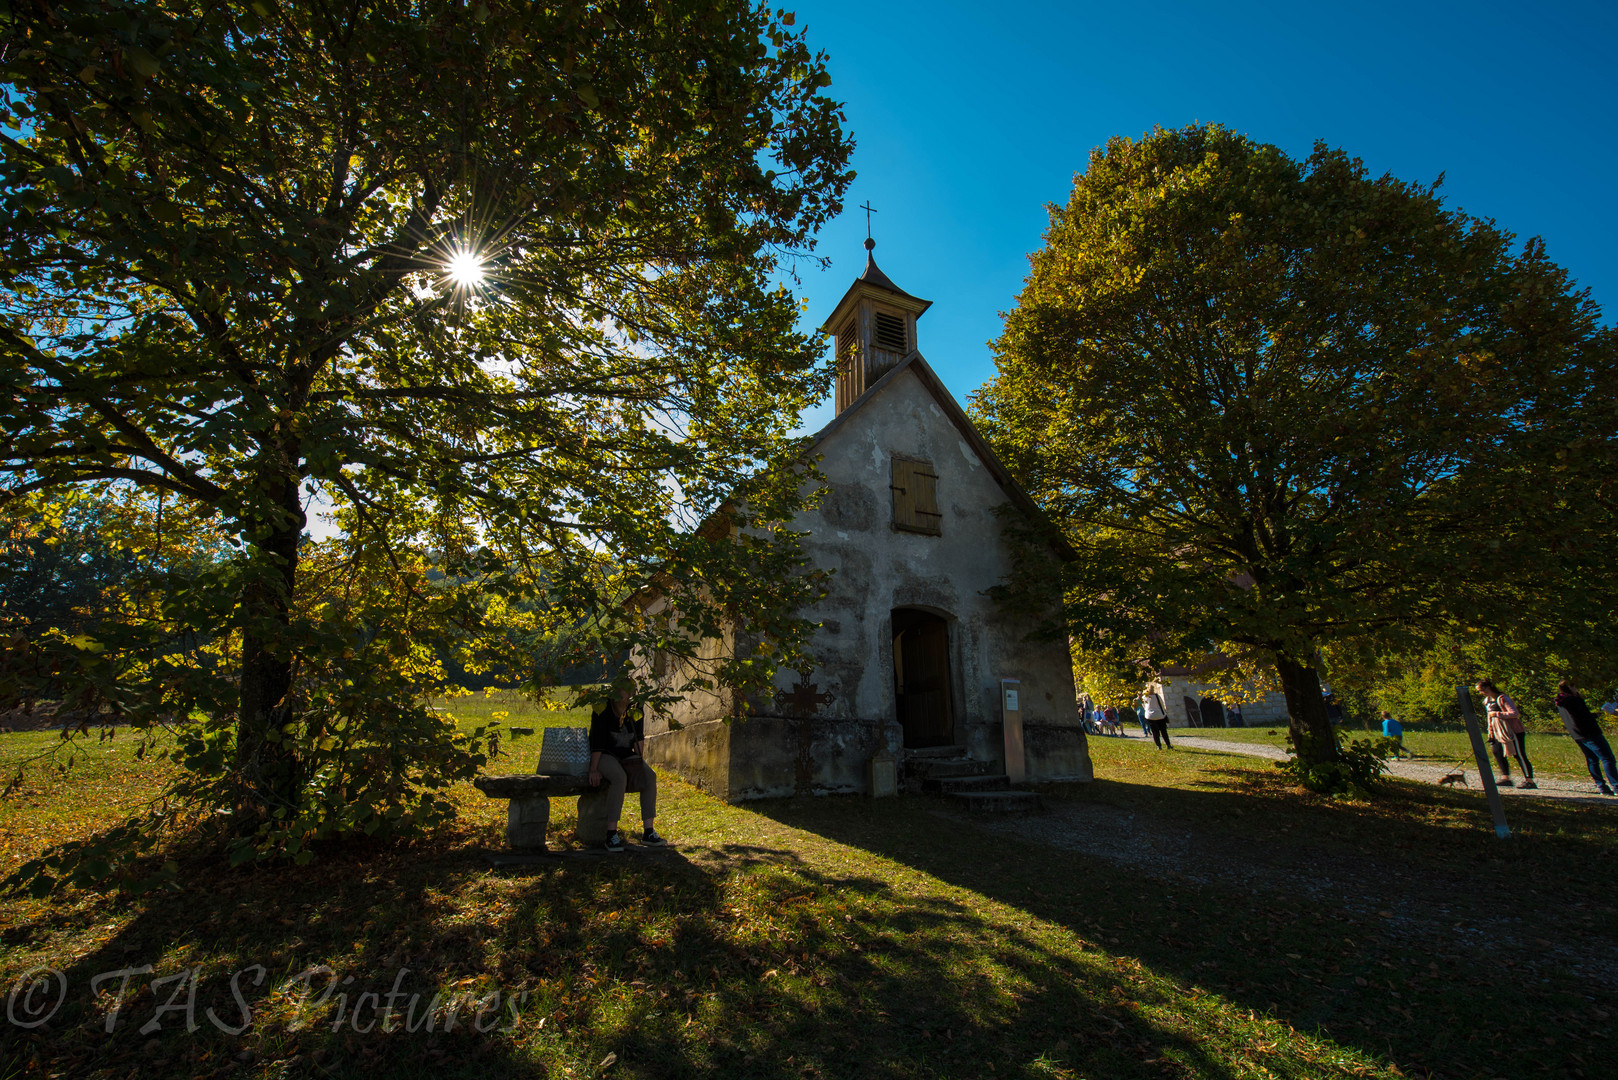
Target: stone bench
point(530, 810)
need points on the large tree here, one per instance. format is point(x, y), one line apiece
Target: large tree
point(494, 277)
point(1277, 403)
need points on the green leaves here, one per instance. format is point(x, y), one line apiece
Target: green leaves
point(1278, 403)
point(226, 280)
point(141, 62)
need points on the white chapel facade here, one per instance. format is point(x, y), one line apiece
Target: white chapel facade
point(910, 649)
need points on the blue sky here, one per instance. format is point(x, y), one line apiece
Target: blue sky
point(970, 118)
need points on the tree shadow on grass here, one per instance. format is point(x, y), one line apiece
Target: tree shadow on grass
point(748, 962)
point(776, 958)
point(1303, 953)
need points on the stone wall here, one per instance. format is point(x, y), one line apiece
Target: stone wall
point(763, 757)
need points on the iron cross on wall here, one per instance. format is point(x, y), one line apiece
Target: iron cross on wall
point(803, 700)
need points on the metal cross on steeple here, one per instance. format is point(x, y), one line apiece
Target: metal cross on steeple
point(869, 210)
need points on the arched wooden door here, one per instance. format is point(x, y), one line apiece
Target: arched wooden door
point(922, 682)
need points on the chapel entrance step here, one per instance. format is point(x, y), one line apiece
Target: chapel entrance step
point(949, 785)
point(933, 768)
point(936, 752)
point(1009, 803)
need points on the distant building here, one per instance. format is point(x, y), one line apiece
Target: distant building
point(1191, 702)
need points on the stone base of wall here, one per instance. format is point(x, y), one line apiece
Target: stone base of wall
point(1050, 752)
point(1057, 753)
point(768, 757)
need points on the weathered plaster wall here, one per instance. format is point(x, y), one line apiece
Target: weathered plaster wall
point(878, 568)
point(690, 706)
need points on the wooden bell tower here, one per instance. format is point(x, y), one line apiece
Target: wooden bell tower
point(874, 326)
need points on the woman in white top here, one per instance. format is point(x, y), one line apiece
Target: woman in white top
point(1158, 721)
point(1506, 734)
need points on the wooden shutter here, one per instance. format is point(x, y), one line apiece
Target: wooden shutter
point(915, 497)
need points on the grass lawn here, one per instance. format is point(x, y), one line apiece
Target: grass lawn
point(1553, 754)
point(1187, 915)
point(512, 709)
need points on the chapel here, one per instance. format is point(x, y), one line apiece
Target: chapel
point(912, 655)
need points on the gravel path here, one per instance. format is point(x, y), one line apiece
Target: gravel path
point(1550, 787)
point(1429, 909)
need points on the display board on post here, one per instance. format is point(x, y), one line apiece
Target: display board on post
point(1485, 773)
point(1011, 721)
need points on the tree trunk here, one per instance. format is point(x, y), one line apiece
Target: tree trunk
point(1306, 709)
point(269, 770)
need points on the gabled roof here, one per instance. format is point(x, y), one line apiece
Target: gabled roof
point(917, 365)
point(715, 524)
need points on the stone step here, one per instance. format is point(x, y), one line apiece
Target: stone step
point(932, 768)
point(936, 752)
point(949, 785)
point(997, 802)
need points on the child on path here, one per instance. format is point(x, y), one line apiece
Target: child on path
point(1392, 729)
point(1506, 734)
point(1586, 732)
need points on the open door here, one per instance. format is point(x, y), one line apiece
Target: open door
point(921, 678)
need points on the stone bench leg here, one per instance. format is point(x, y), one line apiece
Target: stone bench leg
point(526, 820)
point(593, 824)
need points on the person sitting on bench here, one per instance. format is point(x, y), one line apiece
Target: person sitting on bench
point(616, 742)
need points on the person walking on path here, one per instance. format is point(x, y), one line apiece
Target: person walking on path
point(1392, 729)
point(616, 741)
point(1582, 725)
point(1506, 734)
point(1158, 720)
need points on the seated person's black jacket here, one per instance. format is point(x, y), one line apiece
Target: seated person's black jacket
point(609, 735)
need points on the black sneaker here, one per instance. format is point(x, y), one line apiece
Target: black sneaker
point(1504, 781)
point(615, 843)
point(1605, 790)
point(1529, 784)
point(651, 839)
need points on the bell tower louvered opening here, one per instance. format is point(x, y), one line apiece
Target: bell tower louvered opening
point(875, 328)
point(890, 333)
point(849, 369)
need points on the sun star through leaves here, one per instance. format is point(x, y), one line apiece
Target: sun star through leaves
point(465, 268)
